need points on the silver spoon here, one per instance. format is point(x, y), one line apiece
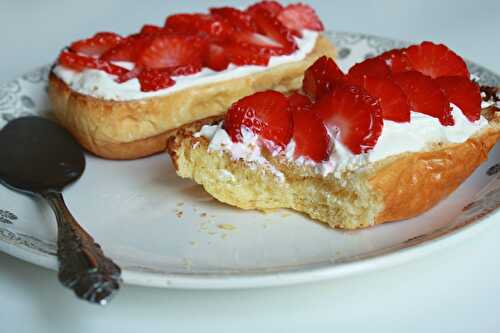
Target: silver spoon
point(38, 157)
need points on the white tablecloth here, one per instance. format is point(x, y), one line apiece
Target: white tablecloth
point(456, 289)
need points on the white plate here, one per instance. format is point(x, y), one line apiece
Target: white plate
point(166, 231)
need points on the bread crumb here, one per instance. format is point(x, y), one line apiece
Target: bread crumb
point(226, 226)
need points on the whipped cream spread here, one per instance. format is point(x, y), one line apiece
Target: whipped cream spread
point(417, 135)
point(97, 83)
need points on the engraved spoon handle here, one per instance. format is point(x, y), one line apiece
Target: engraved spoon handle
point(83, 267)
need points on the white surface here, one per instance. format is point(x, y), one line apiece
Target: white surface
point(456, 290)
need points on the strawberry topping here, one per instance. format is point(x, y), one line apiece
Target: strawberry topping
point(372, 67)
point(154, 79)
point(463, 93)
point(243, 56)
point(216, 58)
point(129, 48)
point(241, 21)
point(396, 60)
point(150, 29)
point(436, 60)
point(195, 23)
point(172, 51)
point(309, 132)
point(322, 77)
point(354, 116)
point(79, 62)
point(265, 114)
point(272, 7)
point(97, 45)
point(392, 99)
point(274, 29)
point(425, 96)
point(297, 17)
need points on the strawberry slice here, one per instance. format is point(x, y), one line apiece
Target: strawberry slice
point(309, 133)
point(154, 79)
point(96, 45)
point(321, 77)
point(172, 51)
point(258, 43)
point(272, 7)
point(243, 56)
point(265, 114)
point(425, 96)
point(215, 58)
point(150, 29)
point(240, 20)
point(297, 17)
point(79, 62)
point(436, 60)
point(396, 60)
point(273, 28)
point(354, 116)
point(463, 93)
point(392, 99)
point(372, 67)
point(220, 29)
point(129, 48)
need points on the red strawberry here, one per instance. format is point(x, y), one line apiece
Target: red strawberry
point(309, 133)
point(258, 43)
point(463, 93)
point(154, 79)
point(436, 60)
point(297, 17)
point(396, 60)
point(372, 67)
point(185, 69)
point(150, 29)
point(80, 62)
point(97, 45)
point(196, 23)
point(172, 51)
point(391, 97)
point(240, 20)
point(353, 115)
point(265, 114)
point(129, 48)
point(215, 58)
point(243, 56)
point(321, 77)
point(425, 96)
point(273, 28)
point(272, 7)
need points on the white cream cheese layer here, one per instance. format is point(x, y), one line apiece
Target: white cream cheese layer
point(100, 84)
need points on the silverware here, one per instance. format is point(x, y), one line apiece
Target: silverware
point(38, 157)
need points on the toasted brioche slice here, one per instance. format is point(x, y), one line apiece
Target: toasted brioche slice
point(395, 188)
point(138, 128)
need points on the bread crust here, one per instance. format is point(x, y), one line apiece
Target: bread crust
point(134, 129)
point(405, 185)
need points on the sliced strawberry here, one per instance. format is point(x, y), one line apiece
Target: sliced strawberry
point(463, 93)
point(272, 7)
point(243, 56)
point(172, 51)
point(297, 17)
point(199, 23)
point(154, 79)
point(185, 69)
point(265, 114)
point(392, 99)
point(273, 28)
point(425, 96)
point(372, 67)
point(258, 42)
point(354, 116)
point(129, 48)
point(321, 77)
point(309, 132)
point(97, 45)
point(240, 20)
point(150, 29)
point(297, 101)
point(396, 60)
point(436, 60)
point(80, 62)
point(215, 58)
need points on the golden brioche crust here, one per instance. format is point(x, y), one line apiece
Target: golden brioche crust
point(400, 187)
point(134, 129)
